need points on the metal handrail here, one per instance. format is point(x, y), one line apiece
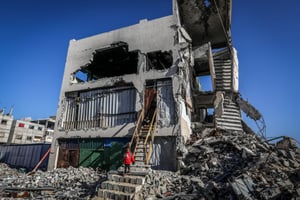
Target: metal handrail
point(151, 130)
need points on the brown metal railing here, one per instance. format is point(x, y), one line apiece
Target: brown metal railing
point(152, 130)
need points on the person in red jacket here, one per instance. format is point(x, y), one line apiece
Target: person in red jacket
point(128, 159)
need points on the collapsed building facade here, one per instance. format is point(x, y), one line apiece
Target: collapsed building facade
point(140, 85)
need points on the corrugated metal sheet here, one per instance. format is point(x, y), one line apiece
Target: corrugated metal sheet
point(24, 156)
point(90, 152)
point(166, 103)
point(102, 153)
point(100, 108)
point(163, 155)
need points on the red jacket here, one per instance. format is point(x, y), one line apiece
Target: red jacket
point(128, 158)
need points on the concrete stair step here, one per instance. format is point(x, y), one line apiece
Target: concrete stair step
point(139, 157)
point(222, 120)
point(233, 113)
point(231, 109)
point(229, 124)
point(136, 169)
point(231, 106)
point(223, 79)
point(223, 70)
point(139, 150)
point(120, 172)
point(139, 154)
point(233, 116)
point(221, 60)
point(222, 65)
point(223, 84)
point(116, 195)
point(140, 146)
point(221, 73)
point(139, 160)
point(139, 180)
point(121, 186)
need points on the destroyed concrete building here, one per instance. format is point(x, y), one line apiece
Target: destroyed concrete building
point(140, 84)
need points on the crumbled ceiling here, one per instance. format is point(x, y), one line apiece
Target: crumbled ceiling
point(201, 20)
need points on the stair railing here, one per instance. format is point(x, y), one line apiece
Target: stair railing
point(151, 130)
point(135, 136)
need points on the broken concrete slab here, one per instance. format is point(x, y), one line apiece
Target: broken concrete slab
point(229, 165)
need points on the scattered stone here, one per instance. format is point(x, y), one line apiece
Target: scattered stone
point(215, 166)
point(61, 183)
point(230, 166)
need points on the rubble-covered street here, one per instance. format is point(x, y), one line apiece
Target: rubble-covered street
point(70, 183)
point(220, 165)
point(214, 165)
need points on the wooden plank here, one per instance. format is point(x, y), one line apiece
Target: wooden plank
point(211, 66)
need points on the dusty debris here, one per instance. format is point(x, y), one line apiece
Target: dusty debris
point(230, 165)
point(70, 183)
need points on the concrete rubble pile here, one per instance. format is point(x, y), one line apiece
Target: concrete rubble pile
point(69, 183)
point(227, 165)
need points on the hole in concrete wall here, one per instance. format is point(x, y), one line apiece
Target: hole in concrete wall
point(79, 77)
point(205, 83)
point(207, 3)
point(159, 60)
point(115, 60)
point(206, 115)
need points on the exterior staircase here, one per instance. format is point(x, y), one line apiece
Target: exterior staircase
point(120, 187)
point(231, 117)
point(223, 70)
point(223, 74)
point(123, 187)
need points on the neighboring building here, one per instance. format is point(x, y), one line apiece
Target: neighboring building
point(26, 132)
point(140, 84)
point(49, 127)
point(6, 121)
